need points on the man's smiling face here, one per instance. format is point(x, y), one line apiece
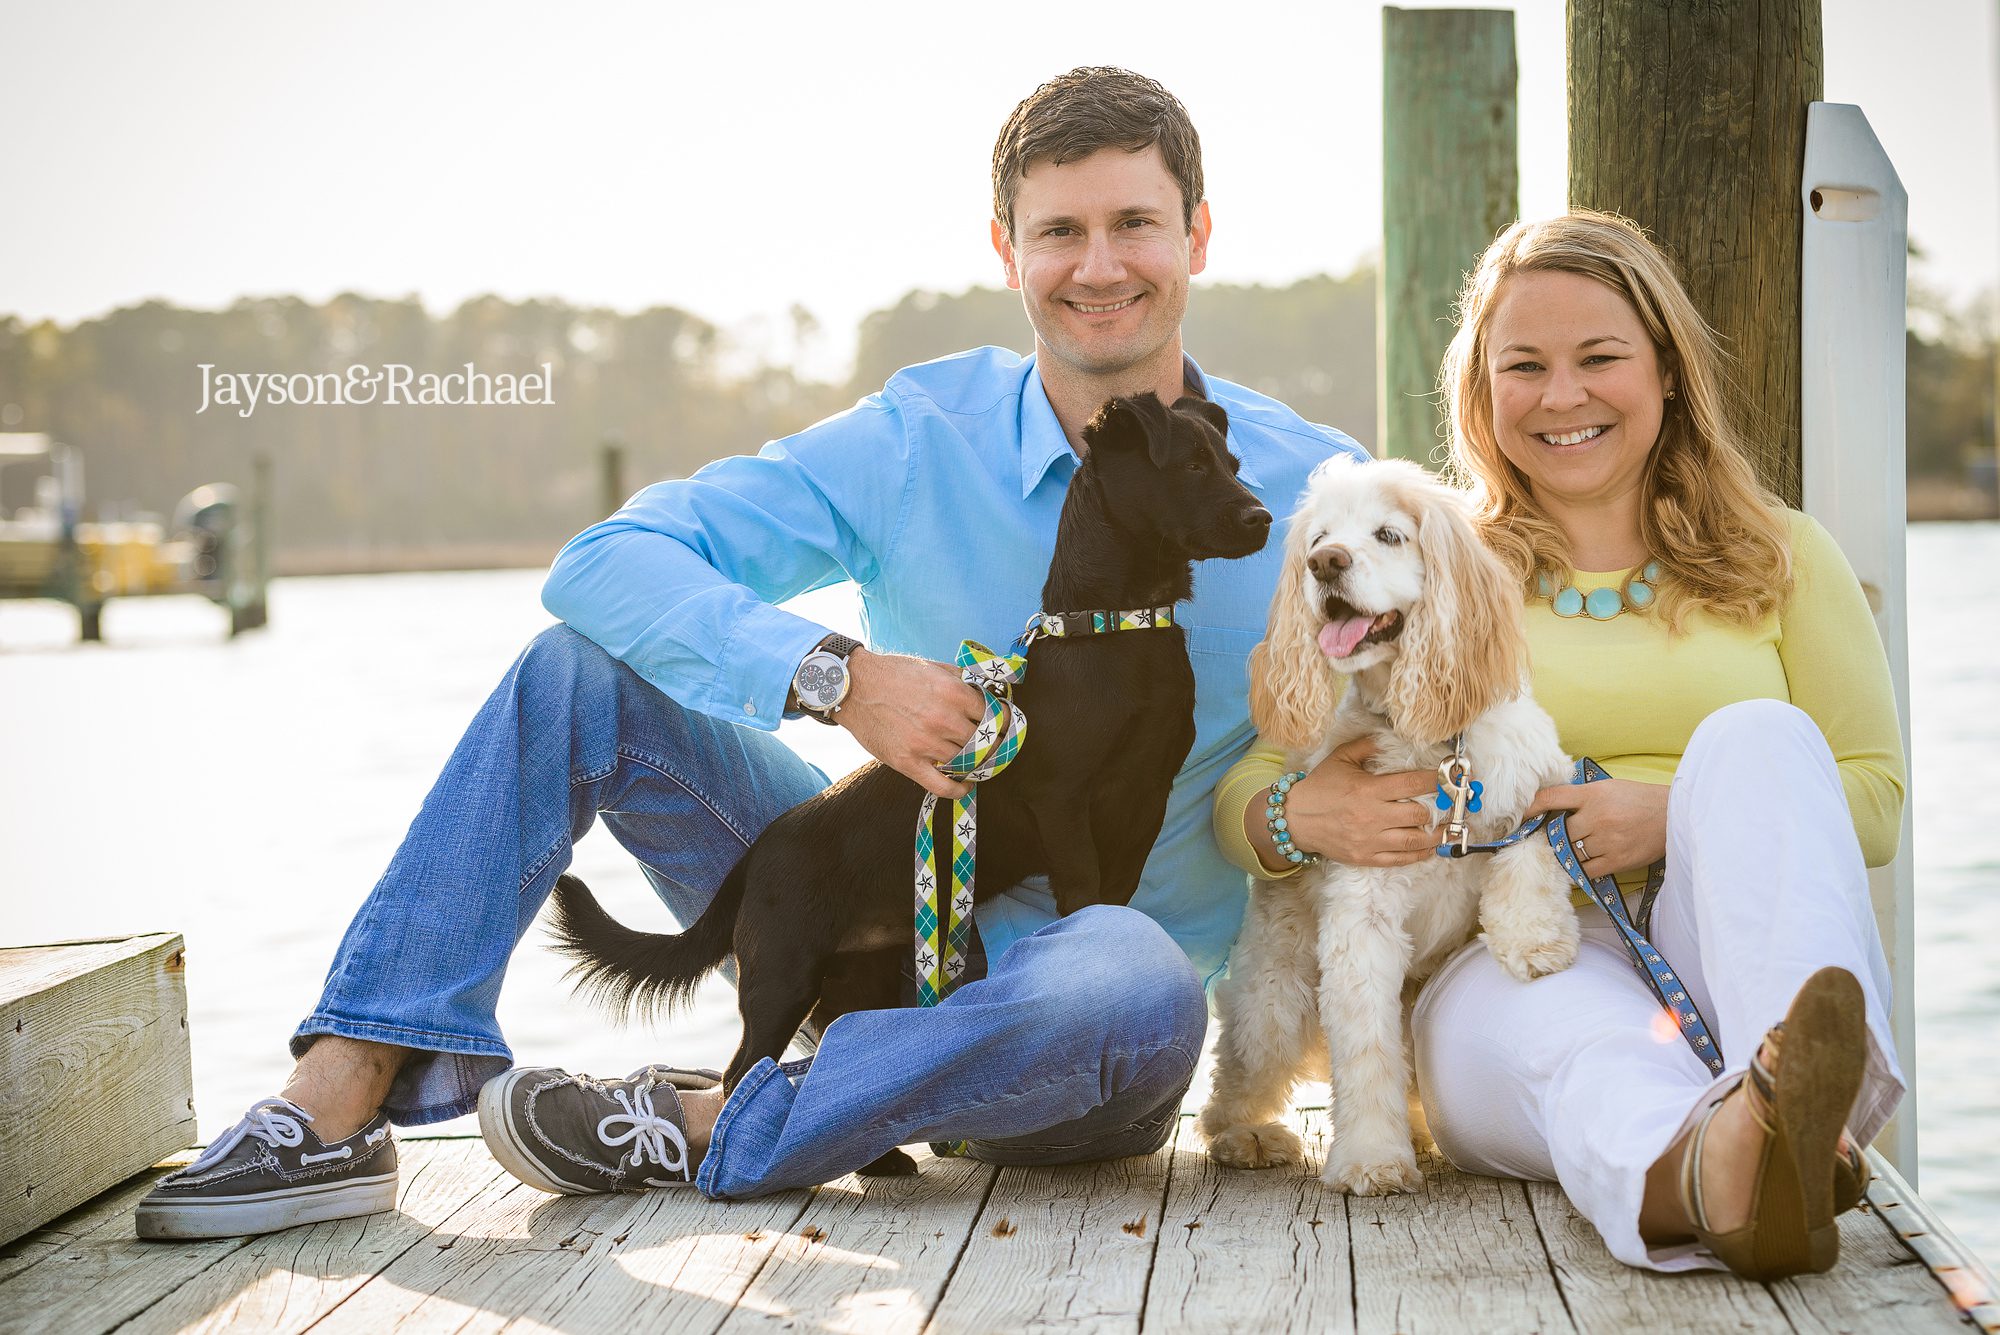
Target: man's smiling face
point(1101, 257)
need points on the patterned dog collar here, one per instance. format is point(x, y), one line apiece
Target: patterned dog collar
point(1072, 625)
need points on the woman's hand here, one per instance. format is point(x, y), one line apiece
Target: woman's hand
point(1620, 823)
point(1348, 815)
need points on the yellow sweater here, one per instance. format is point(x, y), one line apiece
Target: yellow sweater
point(1628, 695)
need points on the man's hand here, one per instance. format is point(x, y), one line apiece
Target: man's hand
point(1348, 815)
point(1621, 823)
point(911, 714)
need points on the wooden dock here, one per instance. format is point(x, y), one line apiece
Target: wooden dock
point(1165, 1243)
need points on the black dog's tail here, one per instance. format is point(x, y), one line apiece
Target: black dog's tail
point(646, 972)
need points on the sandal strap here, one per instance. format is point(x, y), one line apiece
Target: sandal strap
point(1761, 1084)
point(1691, 1198)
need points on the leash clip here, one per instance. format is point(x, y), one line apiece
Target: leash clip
point(1457, 794)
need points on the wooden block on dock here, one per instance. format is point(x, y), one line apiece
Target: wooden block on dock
point(96, 1082)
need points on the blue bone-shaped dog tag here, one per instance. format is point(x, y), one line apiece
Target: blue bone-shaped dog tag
point(1471, 804)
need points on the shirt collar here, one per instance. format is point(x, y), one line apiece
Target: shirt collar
point(1043, 441)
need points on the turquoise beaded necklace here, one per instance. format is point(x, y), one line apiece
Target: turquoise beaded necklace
point(1600, 604)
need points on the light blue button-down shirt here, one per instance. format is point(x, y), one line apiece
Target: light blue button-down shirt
point(938, 496)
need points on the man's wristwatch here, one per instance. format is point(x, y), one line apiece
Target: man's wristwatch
point(820, 685)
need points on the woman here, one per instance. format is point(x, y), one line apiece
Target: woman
point(1714, 653)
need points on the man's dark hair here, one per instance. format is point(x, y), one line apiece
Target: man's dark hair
point(1092, 107)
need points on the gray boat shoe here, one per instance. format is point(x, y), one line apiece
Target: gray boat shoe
point(575, 1135)
point(270, 1171)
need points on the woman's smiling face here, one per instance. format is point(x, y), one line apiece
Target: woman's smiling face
point(1576, 385)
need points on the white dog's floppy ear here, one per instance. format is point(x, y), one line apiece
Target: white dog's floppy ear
point(1292, 687)
point(1462, 651)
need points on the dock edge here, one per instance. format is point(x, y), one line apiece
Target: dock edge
point(1965, 1278)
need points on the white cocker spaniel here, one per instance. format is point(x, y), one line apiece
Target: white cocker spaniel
point(1385, 582)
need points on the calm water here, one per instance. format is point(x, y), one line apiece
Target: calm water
point(247, 795)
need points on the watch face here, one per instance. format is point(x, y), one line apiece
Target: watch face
point(822, 681)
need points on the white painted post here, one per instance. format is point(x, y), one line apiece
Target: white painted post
point(1851, 343)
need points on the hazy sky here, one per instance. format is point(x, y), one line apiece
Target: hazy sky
point(734, 160)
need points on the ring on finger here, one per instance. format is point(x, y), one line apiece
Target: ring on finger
point(1582, 854)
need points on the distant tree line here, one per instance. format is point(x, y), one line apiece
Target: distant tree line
point(1950, 388)
point(367, 484)
point(356, 479)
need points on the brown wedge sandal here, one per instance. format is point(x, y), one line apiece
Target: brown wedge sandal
point(1851, 1174)
point(1791, 1228)
point(1851, 1168)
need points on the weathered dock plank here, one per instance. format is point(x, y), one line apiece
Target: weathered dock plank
point(1878, 1286)
point(515, 1255)
point(287, 1281)
point(101, 1276)
point(1604, 1294)
point(869, 1254)
point(1064, 1249)
point(1462, 1254)
point(114, 1207)
point(1168, 1242)
point(671, 1260)
point(1251, 1251)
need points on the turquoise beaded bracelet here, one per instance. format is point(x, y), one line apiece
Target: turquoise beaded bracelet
point(1275, 822)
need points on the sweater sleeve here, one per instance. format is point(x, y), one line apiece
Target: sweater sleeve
point(1257, 771)
point(1839, 675)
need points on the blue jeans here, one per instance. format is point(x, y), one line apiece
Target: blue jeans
point(1077, 1045)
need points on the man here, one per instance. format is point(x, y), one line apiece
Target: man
point(651, 709)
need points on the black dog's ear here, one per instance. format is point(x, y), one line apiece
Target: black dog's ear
point(1212, 413)
point(1131, 423)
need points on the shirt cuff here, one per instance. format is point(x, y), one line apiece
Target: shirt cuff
point(758, 662)
point(1248, 777)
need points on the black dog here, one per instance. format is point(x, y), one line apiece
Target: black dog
point(818, 910)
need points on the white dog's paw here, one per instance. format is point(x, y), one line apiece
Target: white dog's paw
point(1267, 1146)
point(1531, 955)
point(1381, 1178)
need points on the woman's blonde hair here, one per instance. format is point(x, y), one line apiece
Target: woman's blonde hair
point(1717, 533)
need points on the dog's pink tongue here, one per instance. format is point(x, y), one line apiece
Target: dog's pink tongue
point(1338, 638)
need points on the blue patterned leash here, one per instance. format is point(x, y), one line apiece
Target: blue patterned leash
point(1652, 965)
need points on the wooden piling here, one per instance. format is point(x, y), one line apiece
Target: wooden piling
point(254, 608)
point(611, 475)
point(1449, 183)
point(1691, 120)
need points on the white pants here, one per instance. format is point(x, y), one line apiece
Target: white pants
point(1581, 1077)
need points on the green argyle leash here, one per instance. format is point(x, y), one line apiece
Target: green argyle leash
point(947, 857)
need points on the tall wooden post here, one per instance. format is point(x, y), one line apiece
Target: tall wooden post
point(1691, 120)
point(1449, 183)
point(253, 609)
point(611, 476)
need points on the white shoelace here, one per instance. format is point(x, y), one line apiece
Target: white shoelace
point(274, 1121)
point(650, 1135)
